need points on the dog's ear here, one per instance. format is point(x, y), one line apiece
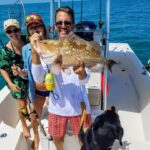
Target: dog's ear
point(119, 134)
point(112, 108)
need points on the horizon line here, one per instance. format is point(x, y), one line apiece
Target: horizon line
point(34, 2)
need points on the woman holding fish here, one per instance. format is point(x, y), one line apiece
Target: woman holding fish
point(37, 91)
point(70, 84)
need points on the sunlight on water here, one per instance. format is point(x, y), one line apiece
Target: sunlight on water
point(130, 23)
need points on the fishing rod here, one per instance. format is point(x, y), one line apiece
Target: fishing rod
point(59, 3)
point(106, 51)
point(72, 4)
point(1, 42)
point(17, 11)
point(81, 10)
point(100, 16)
point(52, 17)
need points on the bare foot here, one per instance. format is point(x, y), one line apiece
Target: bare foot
point(26, 132)
point(35, 143)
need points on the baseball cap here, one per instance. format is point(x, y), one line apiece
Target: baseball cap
point(11, 22)
point(33, 18)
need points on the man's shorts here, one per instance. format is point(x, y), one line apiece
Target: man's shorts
point(57, 124)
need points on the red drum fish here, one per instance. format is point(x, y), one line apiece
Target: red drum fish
point(71, 48)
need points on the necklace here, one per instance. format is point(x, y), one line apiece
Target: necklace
point(18, 53)
point(12, 46)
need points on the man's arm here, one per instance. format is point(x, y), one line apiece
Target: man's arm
point(82, 72)
point(38, 73)
point(37, 69)
point(85, 78)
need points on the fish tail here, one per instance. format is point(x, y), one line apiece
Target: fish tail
point(110, 63)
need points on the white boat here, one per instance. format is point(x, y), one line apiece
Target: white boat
point(129, 92)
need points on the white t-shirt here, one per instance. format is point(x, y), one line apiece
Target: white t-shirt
point(70, 90)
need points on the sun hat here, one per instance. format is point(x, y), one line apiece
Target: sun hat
point(33, 18)
point(11, 22)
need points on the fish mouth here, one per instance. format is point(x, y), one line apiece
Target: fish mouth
point(49, 58)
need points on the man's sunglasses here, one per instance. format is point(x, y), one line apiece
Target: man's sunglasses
point(12, 31)
point(60, 23)
point(35, 27)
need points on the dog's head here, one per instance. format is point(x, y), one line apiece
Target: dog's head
point(103, 132)
point(106, 127)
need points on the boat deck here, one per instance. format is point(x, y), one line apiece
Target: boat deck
point(123, 94)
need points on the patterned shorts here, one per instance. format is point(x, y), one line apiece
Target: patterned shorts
point(57, 124)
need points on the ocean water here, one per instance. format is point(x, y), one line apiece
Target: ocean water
point(129, 21)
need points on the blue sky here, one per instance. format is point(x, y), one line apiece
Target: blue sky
point(24, 1)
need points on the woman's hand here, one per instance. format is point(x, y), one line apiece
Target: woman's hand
point(35, 37)
point(14, 70)
point(79, 68)
point(14, 87)
point(17, 71)
point(34, 42)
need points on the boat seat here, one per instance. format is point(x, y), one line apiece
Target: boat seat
point(93, 89)
point(11, 138)
point(84, 29)
point(8, 108)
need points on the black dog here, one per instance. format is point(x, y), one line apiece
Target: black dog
point(103, 132)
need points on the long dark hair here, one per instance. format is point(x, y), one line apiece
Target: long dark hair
point(46, 35)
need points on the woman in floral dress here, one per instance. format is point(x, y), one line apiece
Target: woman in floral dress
point(11, 57)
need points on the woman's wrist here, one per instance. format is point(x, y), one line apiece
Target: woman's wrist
point(35, 57)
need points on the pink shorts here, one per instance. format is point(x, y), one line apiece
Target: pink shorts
point(57, 124)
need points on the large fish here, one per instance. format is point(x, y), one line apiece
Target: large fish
point(71, 48)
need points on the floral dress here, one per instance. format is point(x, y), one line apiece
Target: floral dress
point(7, 59)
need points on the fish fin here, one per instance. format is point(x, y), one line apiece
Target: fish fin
point(96, 46)
point(73, 38)
point(111, 62)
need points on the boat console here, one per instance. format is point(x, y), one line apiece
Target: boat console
point(85, 30)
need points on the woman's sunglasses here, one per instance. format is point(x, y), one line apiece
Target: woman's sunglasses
point(12, 31)
point(35, 27)
point(60, 23)
point(32, 18)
